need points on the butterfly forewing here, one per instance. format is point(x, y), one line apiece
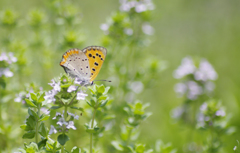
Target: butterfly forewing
point(76, 64)
point(96, 56)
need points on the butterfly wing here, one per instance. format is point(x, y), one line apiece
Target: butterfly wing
point(76, 64)
point(96, 56)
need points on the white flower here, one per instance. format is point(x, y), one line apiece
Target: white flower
point(52, 130)
point(137, 87)
point(203, 107)
point(193, 90)
point(104, 27)
point(72, 88)
point(57, 114)
point(71, 125)
point(220, 112)
point(77, 81)
point(187, 67)
point(73, 115)
point(56, 86)
point(205, 71)
point(62, 121)
point(81, 95)
point(177, 112)
point(49, 96)
point(180, 88)
point(147, 29)
point(45, 110)
point(128, 31)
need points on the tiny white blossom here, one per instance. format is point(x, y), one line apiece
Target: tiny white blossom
point(57, 114)
point(205, 71)
point(45, 110)
point(77, 81)
point(235, 148)
point(56, 86)
point(220, 112)
point(187, 67)
point(49, 96)
point(137, 87)
point(128, 31)
point(71, 125)
point(72, 88)
point(62, 121)
point(147, 29)
point(81, 95)
point(52, 130)
point(104, 27)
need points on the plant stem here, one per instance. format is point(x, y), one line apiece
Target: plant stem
point(91, 135)
point(36, 132)
point(64, 126)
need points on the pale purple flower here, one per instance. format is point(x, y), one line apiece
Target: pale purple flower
point(19, 97)
point(45, 110)
point(70, 125)
point(52, 130)
point(205, 71)
point(138, 6)
point(12, 58)
point(147, 29)
point(137, 87)
point(194, 90)
point(6, 72)
point(104, 27)
point(57, 114)
point(49, 96)
point(180, 88)
point(128, 31)
point(203, 107)
point(187, 67)
point(81, 95)
point(220, 112)
point(177, 112)
point(3, 57)
point(62, 121)
point(72, 88)
point(56, 86)
point(73, 115)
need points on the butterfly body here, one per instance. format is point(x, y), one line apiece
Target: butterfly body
point(84, 64)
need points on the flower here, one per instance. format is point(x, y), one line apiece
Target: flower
point(205, 71)
point(56, 86)
point(81, 95)
point(147, 29)
point(71, 125)
point(72, 88)
point(138, 6)
point(62, 121)
point(52, 130)
point(187, 67)
point(49, 96)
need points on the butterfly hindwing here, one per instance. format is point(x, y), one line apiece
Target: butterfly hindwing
point(96, 56)
point(76, 64)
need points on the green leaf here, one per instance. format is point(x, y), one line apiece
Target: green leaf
point(33, 113)
point(30, 103)
point(43, 130)
point(29, 135)
point(77, 108)
point(42, 143)
point(106, 90)
point(25, 127)
point(117, 145)
point(62, 139)
point(75, 150)
point(89, 103)
point(33, 96)
point(55, 107)
point(31, 122)
point(41, 98)
point(100, 89)
point(103, 103)
point(43, 117)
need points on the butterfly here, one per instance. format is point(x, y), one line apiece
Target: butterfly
point(84, 64)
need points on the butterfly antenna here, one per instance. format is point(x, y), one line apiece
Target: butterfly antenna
point(103, 80)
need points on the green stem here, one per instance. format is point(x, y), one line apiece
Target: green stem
point(64, 126)
point(91, 135)
point(36, 132)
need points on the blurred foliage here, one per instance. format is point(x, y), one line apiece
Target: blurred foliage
point(39, 32)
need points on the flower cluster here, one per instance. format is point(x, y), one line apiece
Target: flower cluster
point(67, 86)
point(198, 79)
point(6, 59)
point(137, 6)
point(210, 112)
point(62, 123)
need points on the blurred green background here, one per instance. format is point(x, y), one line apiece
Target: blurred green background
point(199, 28)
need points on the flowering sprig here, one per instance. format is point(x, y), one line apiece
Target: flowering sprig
point(65, 93)
point(129, 130)
point(99, 99)
point(212, 118)
point(196, 86)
